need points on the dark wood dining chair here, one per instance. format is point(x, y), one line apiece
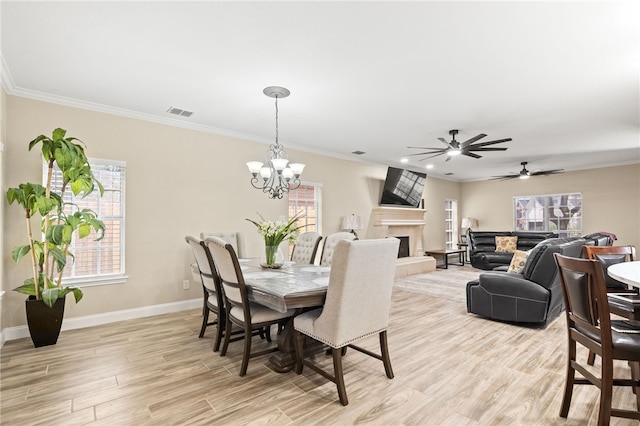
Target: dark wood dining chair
point(607, 256)
point(213, 299)
point(610, 255)
point(589, 324)
point(356, 306)
point(250, 317)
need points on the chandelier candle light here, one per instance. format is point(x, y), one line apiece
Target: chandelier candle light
point(278, 175)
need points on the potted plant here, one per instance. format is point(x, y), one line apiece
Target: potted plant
point(274, 233)
point(60, 222)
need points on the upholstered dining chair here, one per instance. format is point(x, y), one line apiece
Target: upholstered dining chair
point(357, 306)
point(306, 247)
point(236, 239)
point(249, 316)
point(589, 324)
point(329, 246)
point(213, 300)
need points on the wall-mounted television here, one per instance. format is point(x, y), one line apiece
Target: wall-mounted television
point(403, 187)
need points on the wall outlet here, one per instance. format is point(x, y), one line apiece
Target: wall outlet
point(185, 284)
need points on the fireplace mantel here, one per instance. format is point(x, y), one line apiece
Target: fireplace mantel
point(398, 221)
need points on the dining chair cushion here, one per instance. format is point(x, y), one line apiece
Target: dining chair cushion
point(623, 343)
point(260, 313)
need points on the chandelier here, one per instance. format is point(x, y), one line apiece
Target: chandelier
point(278, 175)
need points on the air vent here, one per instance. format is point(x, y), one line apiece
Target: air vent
point(180, 112)
point(449, 174)
point(358, 152)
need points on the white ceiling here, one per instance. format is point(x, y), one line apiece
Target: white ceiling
point(560, 78)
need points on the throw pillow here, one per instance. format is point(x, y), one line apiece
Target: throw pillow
point(506, 244)
point(518, 261)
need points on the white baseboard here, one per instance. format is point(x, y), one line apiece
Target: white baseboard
point(21, 331)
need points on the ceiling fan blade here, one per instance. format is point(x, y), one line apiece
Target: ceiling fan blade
point(472, 140)
point(427, 153)
point(547, 172)
point(444, 141)
point(484, 149)
point(425, 147)
point(434, 155)
point(471, 154)
point(504, 177)
point(491, 142)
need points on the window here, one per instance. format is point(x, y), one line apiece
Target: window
point(451, 223)
point(561, 213)
point(306, 199)
point(98, 262)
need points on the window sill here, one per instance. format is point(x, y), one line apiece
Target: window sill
point(96, 281)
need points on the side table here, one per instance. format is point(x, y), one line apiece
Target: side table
point(445, 255)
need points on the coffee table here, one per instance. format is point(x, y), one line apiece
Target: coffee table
point(445, 253)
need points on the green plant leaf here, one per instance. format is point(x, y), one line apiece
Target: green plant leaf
point(59, 133)
point(50, 295)
point(58, 257)
point(77, 294)
point(19, 252)
point(26, 288)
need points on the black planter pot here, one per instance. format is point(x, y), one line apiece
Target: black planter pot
point(44, 322)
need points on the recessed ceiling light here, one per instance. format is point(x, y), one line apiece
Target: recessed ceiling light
point(404, 160)
point(429, 166)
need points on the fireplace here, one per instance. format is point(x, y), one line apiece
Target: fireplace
point(405, 224)
point(403, 251)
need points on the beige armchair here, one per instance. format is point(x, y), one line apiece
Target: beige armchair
point(329, 246)
point(306, 247)
point(357, 306)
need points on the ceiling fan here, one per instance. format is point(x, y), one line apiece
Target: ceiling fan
point(525, 174)
point(453, 148)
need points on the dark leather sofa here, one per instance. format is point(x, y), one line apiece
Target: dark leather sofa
point(482, 246)
point(534, 296)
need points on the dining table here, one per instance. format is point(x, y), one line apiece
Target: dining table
point(299, 286)
point(624, 304)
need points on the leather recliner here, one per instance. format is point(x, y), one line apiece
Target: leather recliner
point(533, 296)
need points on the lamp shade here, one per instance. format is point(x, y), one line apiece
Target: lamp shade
point(352, 221)
point(469, 222)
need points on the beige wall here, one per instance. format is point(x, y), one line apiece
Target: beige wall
point(181, 182)
point(610, 200)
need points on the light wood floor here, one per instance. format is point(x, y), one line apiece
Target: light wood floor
point(450, 368)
